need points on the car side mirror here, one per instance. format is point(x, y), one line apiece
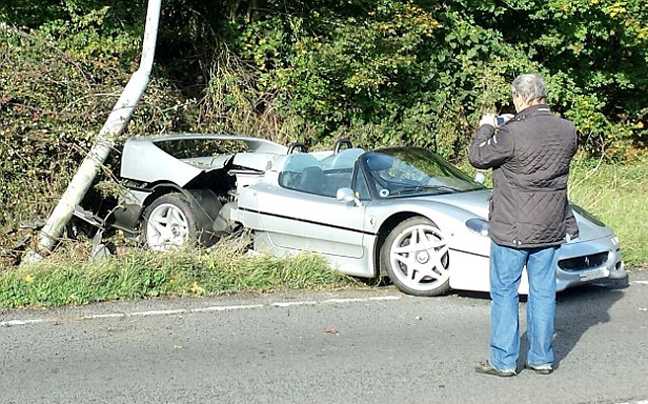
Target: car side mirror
point(346, 194)
point(480, 177)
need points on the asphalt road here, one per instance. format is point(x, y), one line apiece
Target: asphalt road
point(374, 346)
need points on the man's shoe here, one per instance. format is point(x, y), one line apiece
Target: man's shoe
point(539, 369)
point(487, 369)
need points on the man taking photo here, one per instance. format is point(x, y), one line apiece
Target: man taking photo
point(529, 217)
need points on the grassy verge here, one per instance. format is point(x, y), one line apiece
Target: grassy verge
point(144, 274)
point(618, 195)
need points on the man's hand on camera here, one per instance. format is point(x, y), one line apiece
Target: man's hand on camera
point(507, 117)
point(489, 119)
point(494, 120)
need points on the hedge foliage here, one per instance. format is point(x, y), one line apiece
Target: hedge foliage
point(380, 72)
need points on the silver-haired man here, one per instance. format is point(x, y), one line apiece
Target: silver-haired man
point(529, 218)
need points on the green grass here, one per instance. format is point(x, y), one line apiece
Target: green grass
point(138, 274)
point(618, 195)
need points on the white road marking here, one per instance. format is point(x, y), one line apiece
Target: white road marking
point(636, 402)
point(349, 300)
point(20, 322)
point(226, 308)
point(110, 315)
point(362, 299)
point(641, 283)
point(288, 304)
point(150, 313)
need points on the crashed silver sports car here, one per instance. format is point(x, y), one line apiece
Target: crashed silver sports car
point(400, 212)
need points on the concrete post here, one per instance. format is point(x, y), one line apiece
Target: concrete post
point(114, 126)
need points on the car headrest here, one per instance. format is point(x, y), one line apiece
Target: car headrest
point(296, 162)
point(346, 158)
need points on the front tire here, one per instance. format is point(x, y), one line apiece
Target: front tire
point(169, 223)
point(417, 258)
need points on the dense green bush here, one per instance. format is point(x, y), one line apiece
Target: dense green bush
point(52, 104)
point(379, 72)
point(384, 72)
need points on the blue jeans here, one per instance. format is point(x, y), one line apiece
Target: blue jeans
point(506, 265)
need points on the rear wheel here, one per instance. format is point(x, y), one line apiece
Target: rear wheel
point(416, 257)
point(169, 223)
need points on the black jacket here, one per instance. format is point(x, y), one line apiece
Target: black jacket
point(530, 158)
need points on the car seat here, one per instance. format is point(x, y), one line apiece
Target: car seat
point(293, 167)
point(313, 180)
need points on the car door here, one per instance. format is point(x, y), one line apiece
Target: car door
point(304, 221)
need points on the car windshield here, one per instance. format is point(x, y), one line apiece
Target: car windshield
point(399, 172)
